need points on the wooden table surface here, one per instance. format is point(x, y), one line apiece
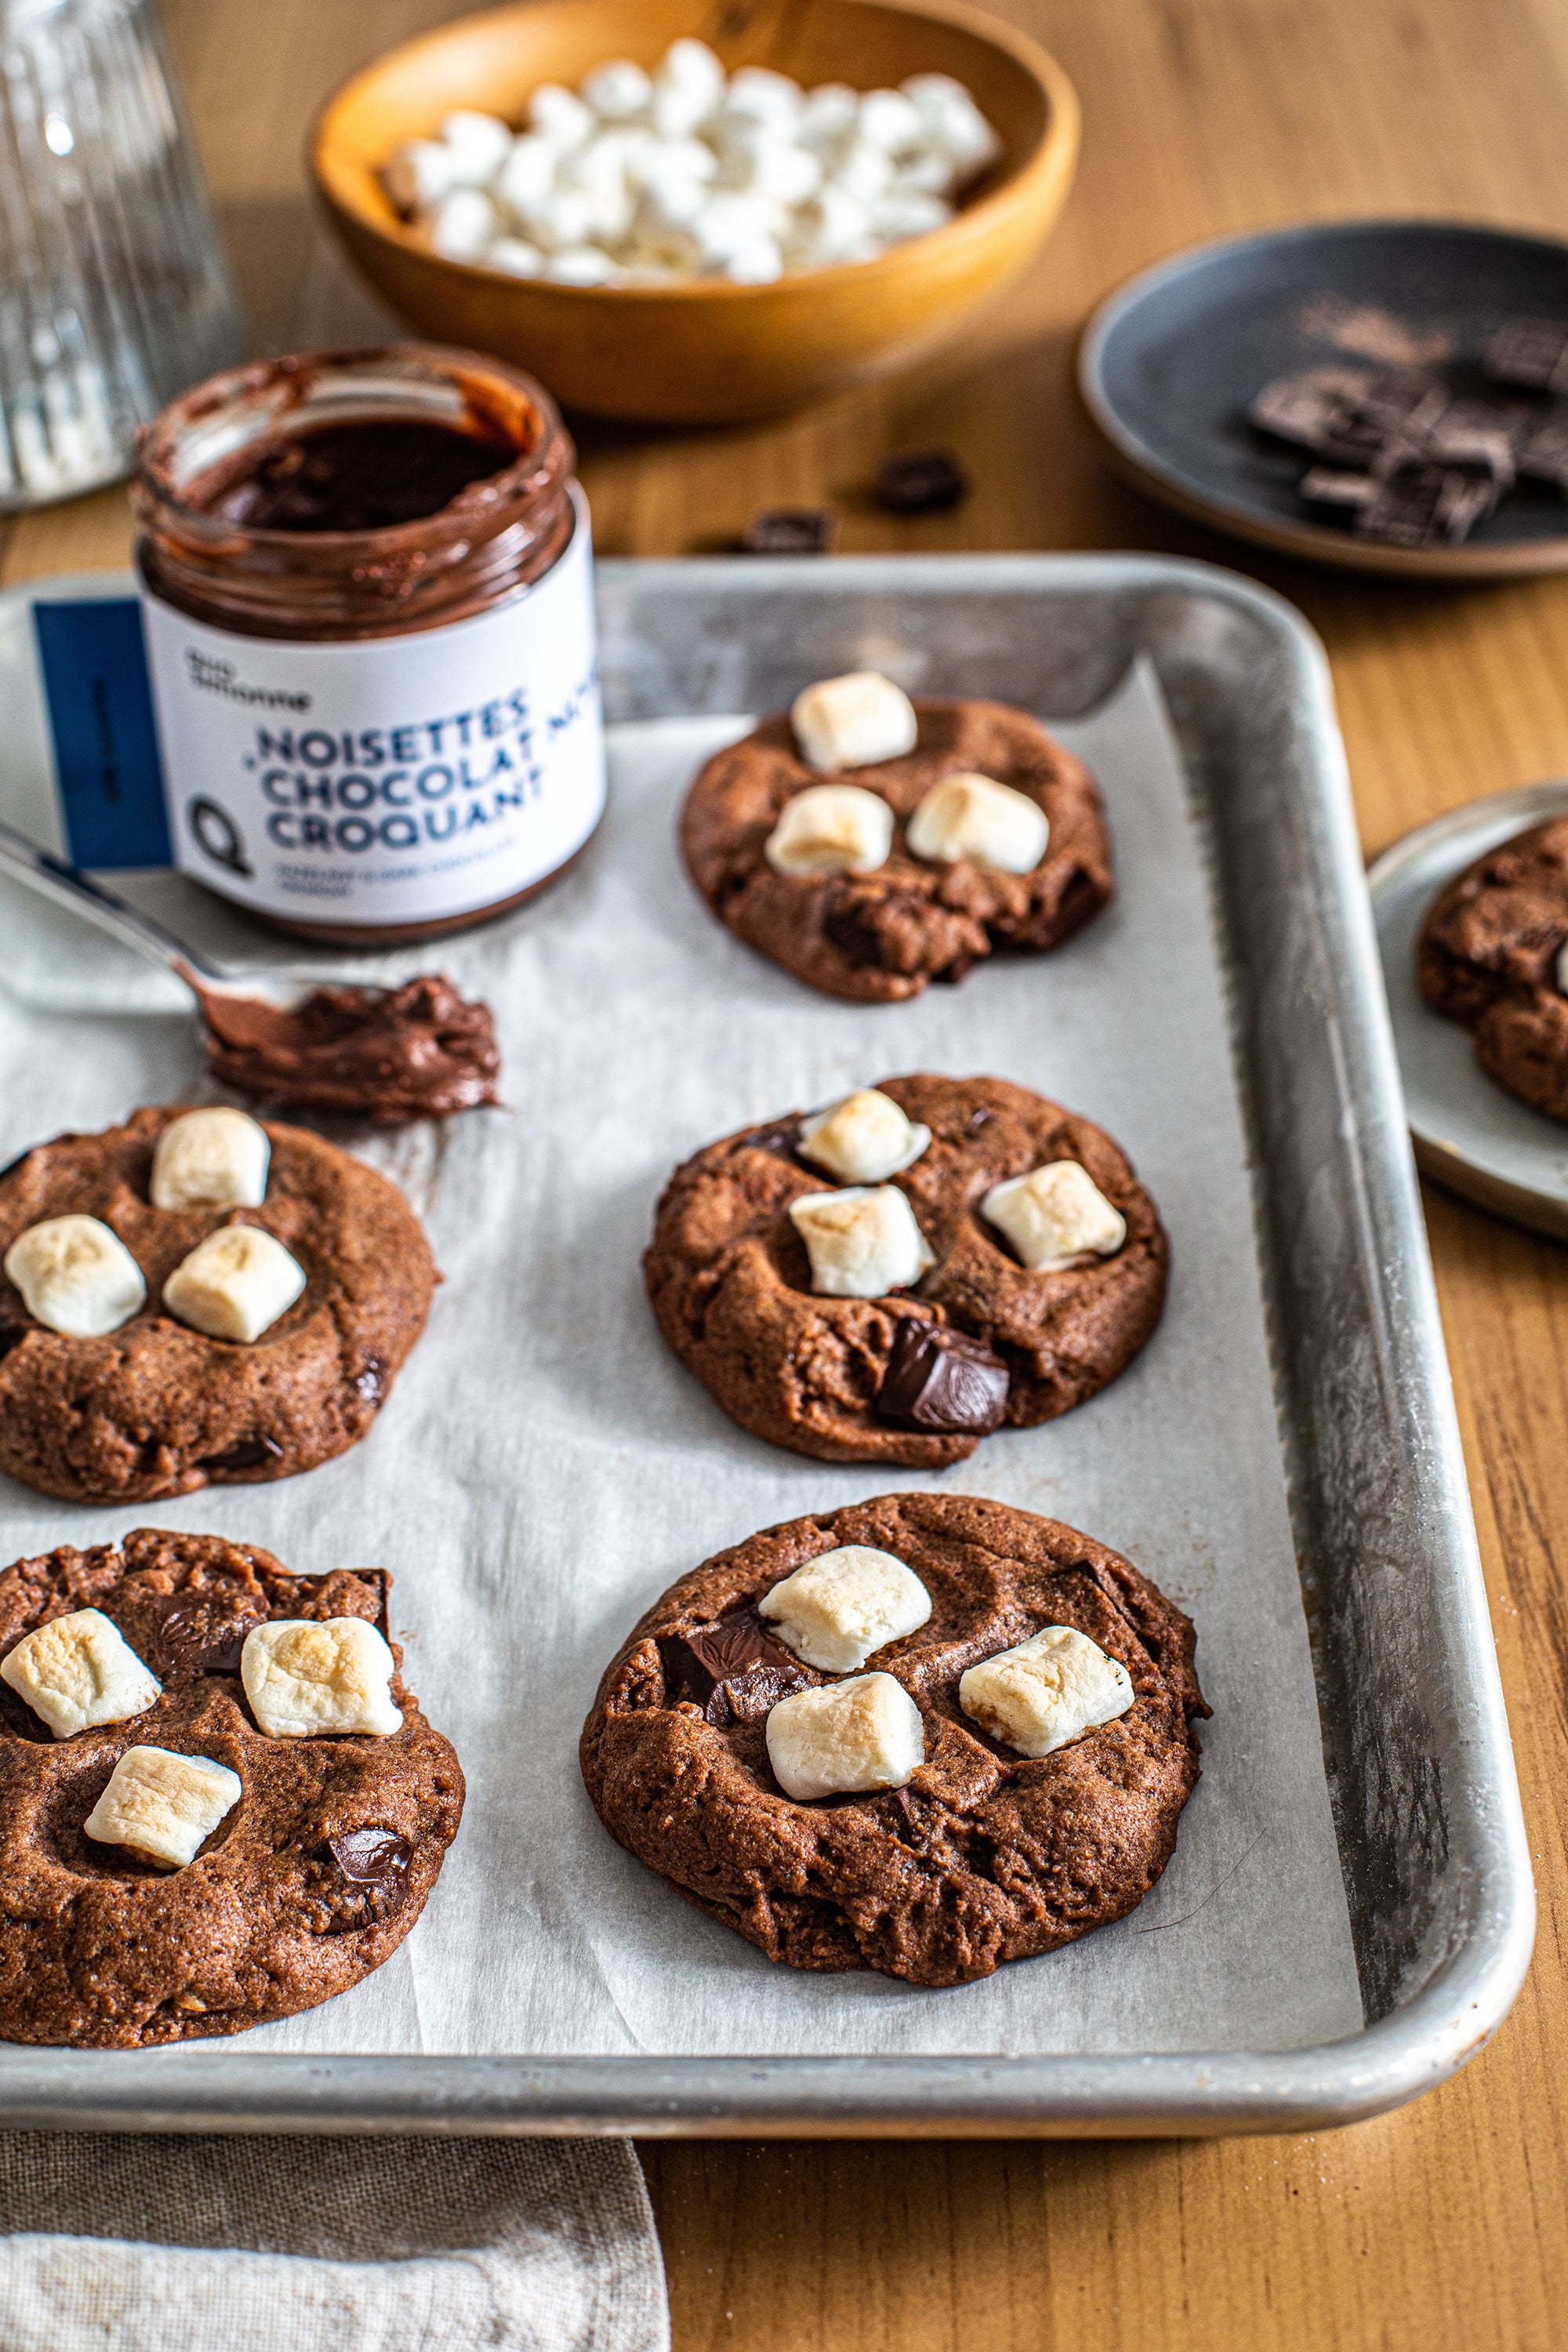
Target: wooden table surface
point(1445, 2224)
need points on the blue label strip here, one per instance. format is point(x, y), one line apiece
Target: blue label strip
point(106, 742)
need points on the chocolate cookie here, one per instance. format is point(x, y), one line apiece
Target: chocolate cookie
point(1487, 956)
point(155, 1407)
point(918, 1375)
point(313, 1876)
point(983, 1855)
point(881, 936)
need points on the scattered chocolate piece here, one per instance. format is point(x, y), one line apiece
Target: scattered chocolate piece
point(1540, 451)
point(1530, 351)
point(733, 1670)
point(940, 1378)
point(923, 481)
point(790, 531)
point(420, 1051)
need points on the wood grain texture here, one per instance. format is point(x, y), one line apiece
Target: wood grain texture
point(1447, 2224)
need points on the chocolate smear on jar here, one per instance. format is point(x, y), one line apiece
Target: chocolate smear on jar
point(420, 1051)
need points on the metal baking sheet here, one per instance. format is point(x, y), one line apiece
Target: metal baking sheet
point(1434, 1884)
point(1469, 1133)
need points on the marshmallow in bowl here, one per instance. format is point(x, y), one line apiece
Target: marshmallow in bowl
point(833, 174)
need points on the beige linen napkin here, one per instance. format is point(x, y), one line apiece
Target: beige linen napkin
point(160, 2243)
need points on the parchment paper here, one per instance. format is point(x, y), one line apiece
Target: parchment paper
point(545, 1468)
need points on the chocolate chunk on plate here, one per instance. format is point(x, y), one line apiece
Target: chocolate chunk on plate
point(942, 1380)
point(1426, 506)
point(790, 531)
point(1532, 352)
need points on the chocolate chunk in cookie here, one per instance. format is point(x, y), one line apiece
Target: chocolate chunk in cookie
point(1492, 955)
point(962, 1821)
point(856, 912)
point(323, 1849)
point(146, 1350)
point(733, 1670)
point(975, 1336)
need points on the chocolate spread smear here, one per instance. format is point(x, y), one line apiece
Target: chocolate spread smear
point(420, 1051)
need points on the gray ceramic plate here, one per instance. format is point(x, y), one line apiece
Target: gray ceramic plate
point(1468, 1132)
point(1169, 363)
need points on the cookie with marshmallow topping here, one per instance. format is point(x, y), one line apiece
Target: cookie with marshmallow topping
point(192, 1845)
point(870, 844)
point(981, 1754)
point(897, 1274)
point(197, 1297)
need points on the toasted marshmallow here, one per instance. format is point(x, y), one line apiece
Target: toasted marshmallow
point(862, 1241)
point(863, 1139)
point(305, 1676)
point(216, 1158)
point(234, 1285)
point(76, 1275)
point(1048, 1690)
point(989, 823)
point(831, 829)
point(853, 721)
point(164, 1806)
point(79, 1670)
point(1054, 1216)
point(842, 1605)
point(861, 1734)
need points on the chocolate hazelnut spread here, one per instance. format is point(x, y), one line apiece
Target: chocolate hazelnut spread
point(367, 602)
point(420, 1051)
point(372, 476)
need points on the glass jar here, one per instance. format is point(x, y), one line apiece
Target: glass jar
point(367, 599)
point(115, 293)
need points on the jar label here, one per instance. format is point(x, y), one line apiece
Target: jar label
point(397, 780)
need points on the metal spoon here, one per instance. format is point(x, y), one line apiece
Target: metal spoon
point(66, 886)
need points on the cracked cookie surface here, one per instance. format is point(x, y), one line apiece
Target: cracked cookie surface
point(730, 1281)
point(156, 1408)
point(985, 1856)
point(102, 1952)
point(1486, 956)
point(879, 937)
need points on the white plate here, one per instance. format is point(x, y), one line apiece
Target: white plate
point(1468, 1132)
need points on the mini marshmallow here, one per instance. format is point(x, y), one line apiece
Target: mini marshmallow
point(970, 816)
point(556, 114)
point(727, 223)
point(78, 1670)
point(765, 96)
point(463, 224)
point(864, 171)
point(617, 91)
point(842, 1605)
point(829, 116)
point(528, 173)
point(305, 1676)
point(754, 161)
point(862, 1139)
point(833, 226)
point(905, 212)
point(831, 829)
point(597, 173)
point(581, 265)
point(672, 163)
point(214, 1158)
point(1056, 1216)
point(75, 1276)
point(861, 1734)
point(863, 1241)
point(162, 1806)
point(421, 173)
point(757, 264)
point(1048, 1690)
point(234, 1285)
point(691, 64)
point(854, 722)
point(516, 257)
point(564, 217)
point(889, 120)
point(479, 144)
point(689, 85)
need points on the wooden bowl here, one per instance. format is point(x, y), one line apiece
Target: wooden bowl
point(706, 351)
